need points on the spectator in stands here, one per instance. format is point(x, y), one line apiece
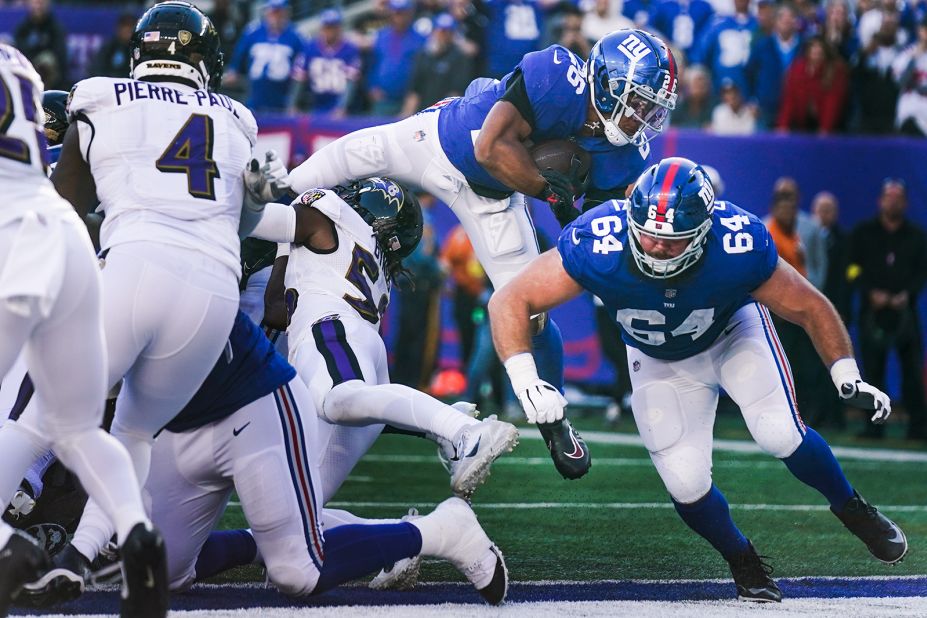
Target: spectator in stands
point(871, 18)
point(888, 256)
point(874, 86)
point(440, 70)
point(266, 53)
point(229, 21)
point(569, 31)
point(838, 29)
point(770, 59)
point(43, 41)
point(392, 60)
point(815, 94)
point(810, 235)
point(696, 103)
point(682, 22)
point(113, 58)
point(331, 65)
point(733, 116)
point(603, 17)
point(725, 49)
point(765, 20)
point(514, 29)
point(471, 32)
point(910, 70)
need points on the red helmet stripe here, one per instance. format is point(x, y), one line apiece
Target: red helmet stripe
point(665, 189)
point(671, 87)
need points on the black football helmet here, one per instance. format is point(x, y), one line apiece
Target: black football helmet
point(390, 209)
point(54, 104)
point(176, 41)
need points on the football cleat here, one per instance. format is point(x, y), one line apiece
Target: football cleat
point(567, 449)
point(403, 575)
point(144, 574)
point(65, 580)
point(21, 560)
point(884, 538)
point(52, 537)
point(752, 578)
point(464, 543)
point(476, 447)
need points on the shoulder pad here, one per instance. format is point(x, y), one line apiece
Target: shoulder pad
point(90, 95)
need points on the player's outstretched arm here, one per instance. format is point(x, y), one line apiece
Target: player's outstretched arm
point(298, 224)
point(72, 177)
point(541, 286)
point(791, 296)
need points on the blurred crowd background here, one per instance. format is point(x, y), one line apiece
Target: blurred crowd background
point(750, 67)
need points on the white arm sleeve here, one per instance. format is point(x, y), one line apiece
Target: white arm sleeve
point(277, 225)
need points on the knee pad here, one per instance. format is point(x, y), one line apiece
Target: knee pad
point(685, 471)
point(774, 430)
point(292, 580)
point(501, 232)
point(365, 154)
point(658, 414)
point(337, 405)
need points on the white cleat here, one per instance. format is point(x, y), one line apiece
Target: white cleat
point(403, 575)
point(475, 448)
point(465, 545)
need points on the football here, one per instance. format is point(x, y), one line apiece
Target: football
point(558, 155)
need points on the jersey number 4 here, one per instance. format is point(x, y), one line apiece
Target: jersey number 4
point(190, 153)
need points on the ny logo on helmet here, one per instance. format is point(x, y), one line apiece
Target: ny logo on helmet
point(707, 193)
point(634, 48)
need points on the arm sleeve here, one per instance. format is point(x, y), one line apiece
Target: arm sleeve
point(517, 94)
point(277, 225)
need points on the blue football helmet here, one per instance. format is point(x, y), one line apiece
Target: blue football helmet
point(632, 74)
point(674, 200)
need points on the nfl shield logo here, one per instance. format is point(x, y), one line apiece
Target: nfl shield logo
point(184, 36)
point(670, 293)
point(636, 366)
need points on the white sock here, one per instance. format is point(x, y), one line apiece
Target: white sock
point(6, 531)
point(357, 403)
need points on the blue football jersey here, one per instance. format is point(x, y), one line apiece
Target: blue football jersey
point(248, 369)
point(329, 71)
point(555, 82)
point(267, 59)
point(679, 317)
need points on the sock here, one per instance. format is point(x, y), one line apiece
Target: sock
point(333, 518)
point(710, 517)
point(20, 448)
point(357, 403)
point(814, 464)
point(354, 551)
point(547, 348)
point(37, 470)
point(223, 550)
point(6, 531)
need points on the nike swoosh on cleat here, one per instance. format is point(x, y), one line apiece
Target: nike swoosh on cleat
point(235, 432)
point(475, 448)
point(898, 538)
point(578, 451)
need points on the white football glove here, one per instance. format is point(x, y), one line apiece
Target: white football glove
point(268, 182)
point(867, 397)
point(542, 402)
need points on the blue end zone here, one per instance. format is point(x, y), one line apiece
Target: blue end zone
point(239, 597)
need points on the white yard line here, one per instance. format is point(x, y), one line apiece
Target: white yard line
point(745, 446)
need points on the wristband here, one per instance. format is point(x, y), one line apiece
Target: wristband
point(845, 371)
point(522, 371)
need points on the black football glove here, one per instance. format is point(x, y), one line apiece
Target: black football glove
point(559, 196)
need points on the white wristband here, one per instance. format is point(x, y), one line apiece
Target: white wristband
point(278, 224)
point(845, 371)
point(522, 371)
point(283, 249)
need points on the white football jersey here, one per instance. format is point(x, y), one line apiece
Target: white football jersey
point(167, 161)
point(349, 280)
point(22, 141)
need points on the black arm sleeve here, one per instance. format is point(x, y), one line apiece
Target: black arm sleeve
point(517, 95)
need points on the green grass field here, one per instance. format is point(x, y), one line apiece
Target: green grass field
point(617, 522)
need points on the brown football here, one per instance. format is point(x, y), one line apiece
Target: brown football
point(558, 154)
